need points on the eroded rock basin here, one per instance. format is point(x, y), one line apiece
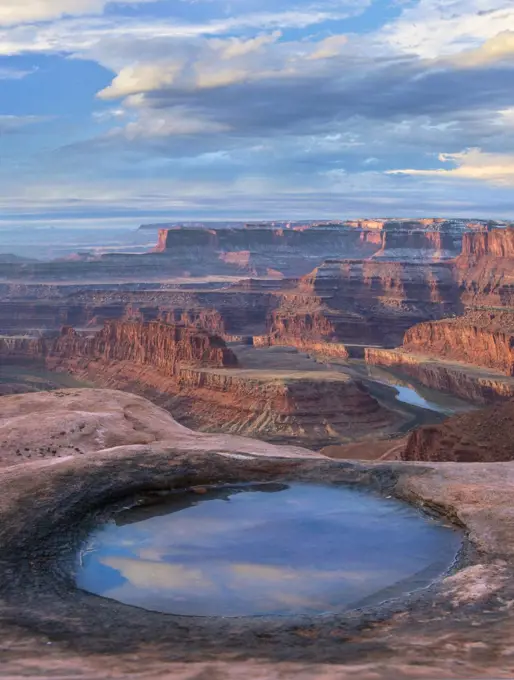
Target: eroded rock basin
point(459, 627)
point(266, 549)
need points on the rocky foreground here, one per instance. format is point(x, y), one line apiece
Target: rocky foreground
point(460, 627)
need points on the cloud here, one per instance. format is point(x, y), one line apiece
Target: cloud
point(432, 29)
point(10, 123)
point(14, 12)
point(15, 73)
point(176, 122)
point(496, 49)
point(329, 47)
point(160, 576)
point(473, 164)
point(506, 116)
point(141, 78)
point(272, 120)
point(100, 37)
point(219, 63)
point(238, 47)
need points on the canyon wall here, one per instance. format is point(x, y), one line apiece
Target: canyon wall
point(462, 380)
point(472, 355)
point(263, 251)
point(197, 377)
point(495, 243)
point(483, 339)
point(314, 409)
point(369, 300)
point(223, 311)
point(377, 301)
point(484, 271)
point(163, 346)
point(481, 436)
point(321, 239)
point(421, 245)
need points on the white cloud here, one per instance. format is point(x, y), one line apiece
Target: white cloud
point(216, 63)
point(474, 164)
point(329, 47)
point(437, 28)
point(10, 123)
point(15, 74)
point(89, 36)
point(14, 12)
point(237, 47)
point(141, 78)
point(496, 49)
point(506, 117)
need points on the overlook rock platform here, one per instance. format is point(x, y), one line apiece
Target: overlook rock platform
point(460, 627)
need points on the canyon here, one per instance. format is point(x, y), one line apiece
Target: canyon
point(479, 437)
point(320, 365)
point(425, 301)
point(469, 355)
point(193, 374)
point(188, 252)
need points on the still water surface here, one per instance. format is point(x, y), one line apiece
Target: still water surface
point(408, 395)
point(265, 550)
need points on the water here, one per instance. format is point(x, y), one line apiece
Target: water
point(418, 395)
point(408, 395)
point(265, 550)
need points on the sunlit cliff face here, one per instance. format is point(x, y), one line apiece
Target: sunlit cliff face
point(149, 109)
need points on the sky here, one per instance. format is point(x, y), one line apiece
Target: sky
point(127, 112)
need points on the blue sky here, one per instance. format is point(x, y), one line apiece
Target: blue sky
point(254, 108)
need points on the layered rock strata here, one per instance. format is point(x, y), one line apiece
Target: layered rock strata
point(421, 245)
point(483, 339)
point(485, 269)
point(465, 381)
point(196, 376)
point(163, 346)
point(480, 436)
point(341, 302)
point(470, 356)
point(378, 301)
point(281, 406)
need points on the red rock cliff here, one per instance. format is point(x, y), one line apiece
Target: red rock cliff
point(480, 338)
point(485, 269)
point(479, 436)
point(163, 346)
point(495, 243)
point(419, 245)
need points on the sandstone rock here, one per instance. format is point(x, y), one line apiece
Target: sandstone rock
point(485, 269)
point(377, 301)
point(423, 245)
point(480, 436)
point(479, 338)
point(79, 422)
point(469, 382)
point(195, 376)
point(459, 627)
point(164, 346)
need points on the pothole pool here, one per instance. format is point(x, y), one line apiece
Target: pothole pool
point(265, 549)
